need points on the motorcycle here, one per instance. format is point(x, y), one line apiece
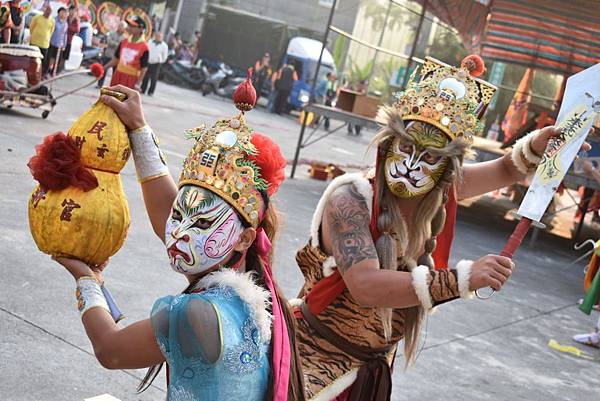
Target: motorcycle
point(220, 79)
point(182, 73)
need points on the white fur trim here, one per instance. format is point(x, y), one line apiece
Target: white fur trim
point(420, 282)
point(463, 270)
point(329, 266)
point(527, 152)
point(522, 149)
point(295, 302)
point(337, 387)
point(362, 185)
point(255, 297)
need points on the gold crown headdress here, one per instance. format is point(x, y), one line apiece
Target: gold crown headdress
point(230, 160)
point(449, 98)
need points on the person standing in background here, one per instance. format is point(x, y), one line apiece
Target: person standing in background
point(158, 52)
point(113, 40)
point(16, 15)
point(73, 28)
point(286, 77)
point(196, 48)
point(5, 24)
point(262, 73)
point(330, 94)
point(58, 41)
point(131, 56)
point(155, 23)
point(272, 92)
point(41, 28)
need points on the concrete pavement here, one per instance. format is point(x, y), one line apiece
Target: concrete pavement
point(475, 350)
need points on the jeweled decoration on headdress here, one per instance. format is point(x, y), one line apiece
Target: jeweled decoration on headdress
point(450, 98)
point(221, 160)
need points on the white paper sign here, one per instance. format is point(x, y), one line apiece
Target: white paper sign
point(579, 109)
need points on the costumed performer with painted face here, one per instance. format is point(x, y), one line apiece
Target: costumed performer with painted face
point(226, 337)
point(378, 252)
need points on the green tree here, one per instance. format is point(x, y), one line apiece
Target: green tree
point(377, 10)
point(446, 47)
point(340, 49)
point(358, 74)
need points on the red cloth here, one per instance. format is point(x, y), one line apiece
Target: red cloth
point(73, 29)
point(129, 68)
point(441, 253)
point(120, 78)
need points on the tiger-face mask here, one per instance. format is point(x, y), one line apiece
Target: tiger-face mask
point(413, 167)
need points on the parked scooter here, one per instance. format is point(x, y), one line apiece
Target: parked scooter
point(183, 74)
point(220, 79)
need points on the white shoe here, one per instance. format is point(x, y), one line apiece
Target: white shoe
point(591, 339)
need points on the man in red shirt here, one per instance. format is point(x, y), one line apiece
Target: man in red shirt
point(131, 56)
point(73, 28)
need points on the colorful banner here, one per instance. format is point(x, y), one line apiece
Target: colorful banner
point(496, 78)
point(109, 16)
point(516, 115)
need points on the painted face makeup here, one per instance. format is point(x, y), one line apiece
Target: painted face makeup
point(201, 231)
point(413, 168)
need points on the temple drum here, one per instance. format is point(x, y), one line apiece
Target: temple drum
point(22, 57)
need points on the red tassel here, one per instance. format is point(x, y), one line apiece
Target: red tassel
point(474, 64)
point(97, 70)
point(57, 165)
point(244, 97)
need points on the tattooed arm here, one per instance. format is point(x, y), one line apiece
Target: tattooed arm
point(346, 236)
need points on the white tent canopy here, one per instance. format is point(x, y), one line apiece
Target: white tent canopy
point(309, 49)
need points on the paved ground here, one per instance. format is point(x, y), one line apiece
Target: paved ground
point(475, 350)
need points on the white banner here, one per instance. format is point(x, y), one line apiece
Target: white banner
point(579, 109)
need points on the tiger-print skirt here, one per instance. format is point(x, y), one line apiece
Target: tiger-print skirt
point(327, 370)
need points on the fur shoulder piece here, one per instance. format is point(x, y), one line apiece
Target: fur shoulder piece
point(362, 185)
point(255, 297)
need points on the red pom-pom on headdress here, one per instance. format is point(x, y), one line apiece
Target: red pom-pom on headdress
point(97, 70)
point(57, 165)
point(270, 161)
point(474, 64)
point(244, 96)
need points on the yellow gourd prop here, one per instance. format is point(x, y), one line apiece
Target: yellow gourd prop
point(79, 210)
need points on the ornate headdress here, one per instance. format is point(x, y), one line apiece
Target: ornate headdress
point(230, 160)
point(450, 98)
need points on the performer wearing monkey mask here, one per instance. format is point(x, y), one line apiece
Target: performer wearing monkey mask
point(378, 252)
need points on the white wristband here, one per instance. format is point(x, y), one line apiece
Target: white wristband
point(463, 271)
point(147, 156)
point(89, 295)
point(522, 156)
point(420, 281)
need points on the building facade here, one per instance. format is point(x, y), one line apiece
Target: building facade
point(306, 14)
